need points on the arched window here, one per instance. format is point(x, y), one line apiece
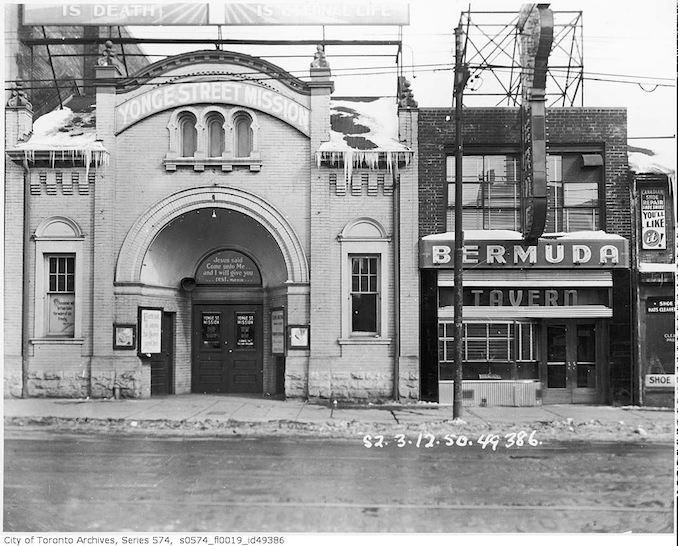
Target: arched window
point(189, 134)
point(215, 135)
point(243, 134)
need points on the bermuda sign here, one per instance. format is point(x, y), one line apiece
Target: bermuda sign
point(241, 94)
point(548, 253)
point(115, 14)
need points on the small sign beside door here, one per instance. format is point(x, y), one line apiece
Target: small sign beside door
point(278, 331)
point(244, 330)
point(150, 330)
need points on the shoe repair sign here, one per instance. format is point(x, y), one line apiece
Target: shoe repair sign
point(653, 219)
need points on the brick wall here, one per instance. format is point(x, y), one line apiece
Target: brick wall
point(493, 127)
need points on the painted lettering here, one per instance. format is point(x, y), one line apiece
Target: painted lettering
point(570, 297)
point(548, 254)
point(609, 253)
point(476, 297)
point(470, 254)
point(496, 298)
point(532, 297)
point(525, 255)
point(581, 254)
point(551, 298)
point(441, 254)
point(515, 297)
point(495, 253)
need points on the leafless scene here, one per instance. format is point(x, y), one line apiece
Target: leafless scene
point(285, 271)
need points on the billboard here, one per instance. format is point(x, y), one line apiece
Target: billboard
point(115, 14)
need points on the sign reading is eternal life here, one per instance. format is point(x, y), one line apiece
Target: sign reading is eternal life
point(228, 267)
point(512, 254)
point(224, 92)
point(221, 13)
point(653, 219)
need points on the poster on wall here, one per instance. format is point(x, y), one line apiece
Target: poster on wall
point(278, 331)
point(150, 330)
point(244, 335)
point(653, 219)
point(61, 317)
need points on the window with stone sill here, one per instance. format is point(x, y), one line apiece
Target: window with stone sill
point(213, 136)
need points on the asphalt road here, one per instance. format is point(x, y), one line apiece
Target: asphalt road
point(59, 482)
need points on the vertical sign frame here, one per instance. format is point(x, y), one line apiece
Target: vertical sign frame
point(278, 331)
point(149, 330)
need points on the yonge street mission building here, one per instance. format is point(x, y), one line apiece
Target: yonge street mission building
point(180, 230)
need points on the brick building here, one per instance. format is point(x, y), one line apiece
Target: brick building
point(186, 231)
point(544, 322)
point(654, 243)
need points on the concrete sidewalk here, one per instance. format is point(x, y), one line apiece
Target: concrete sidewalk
point(196, 408)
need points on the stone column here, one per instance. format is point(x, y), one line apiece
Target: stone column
point(322, 336)
point(17, 288)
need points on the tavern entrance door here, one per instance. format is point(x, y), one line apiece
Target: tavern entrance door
point(227, 349)
point(570, 372)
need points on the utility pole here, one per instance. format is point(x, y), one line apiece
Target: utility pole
point(460, 78)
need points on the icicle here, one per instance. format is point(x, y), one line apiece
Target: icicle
point(52, 158)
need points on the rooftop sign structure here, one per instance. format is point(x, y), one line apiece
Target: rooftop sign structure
point(218, 13)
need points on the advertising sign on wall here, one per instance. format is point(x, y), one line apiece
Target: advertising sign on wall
point(278, 331)
point(653, 219)
point(244, 324)
point(116, 14)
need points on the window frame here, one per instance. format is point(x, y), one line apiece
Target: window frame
point(559, 208)
point(485, 207)
point(51, 242)
point(364, 237)
point(369, 275)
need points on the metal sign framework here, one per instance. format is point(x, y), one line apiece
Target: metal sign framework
point(491, 52)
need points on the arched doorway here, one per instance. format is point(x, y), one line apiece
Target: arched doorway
point(236, 269)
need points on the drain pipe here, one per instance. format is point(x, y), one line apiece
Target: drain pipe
point(25, 288)
point(396, 283)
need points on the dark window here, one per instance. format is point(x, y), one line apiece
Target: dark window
point(364, 294)
point(573, 194)
point(62, 274)
point(61, 296)
point(243, 135)
point(491, 198)
point(215, 135)
point(189, 134)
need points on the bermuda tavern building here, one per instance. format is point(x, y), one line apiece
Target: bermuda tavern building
point(210, 224)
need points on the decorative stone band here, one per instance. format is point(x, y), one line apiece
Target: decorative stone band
point(149, 224)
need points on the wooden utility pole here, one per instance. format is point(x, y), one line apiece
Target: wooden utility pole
point(460, 79)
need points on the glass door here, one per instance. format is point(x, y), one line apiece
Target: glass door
point(570, 374)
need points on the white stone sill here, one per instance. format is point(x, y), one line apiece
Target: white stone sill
point(56, 341)
point(364, 341)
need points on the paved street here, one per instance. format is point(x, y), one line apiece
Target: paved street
point(88, 482)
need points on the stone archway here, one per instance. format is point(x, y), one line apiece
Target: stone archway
point(148, 225)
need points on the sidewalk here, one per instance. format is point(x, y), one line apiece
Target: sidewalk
point(256, 415)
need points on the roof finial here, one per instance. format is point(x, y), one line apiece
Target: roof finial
point(18, 97)
point(107, 55)
point(319, 59)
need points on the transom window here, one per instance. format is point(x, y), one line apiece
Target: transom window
point(573, 194)
point(491, 192)
point(364, 294)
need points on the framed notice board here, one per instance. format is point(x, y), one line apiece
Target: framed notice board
point(150, 330)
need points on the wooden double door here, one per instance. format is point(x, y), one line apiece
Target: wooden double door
point(227, 349)
point(572, 370)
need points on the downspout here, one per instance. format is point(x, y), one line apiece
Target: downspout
point(396, 282)
point(26, 285)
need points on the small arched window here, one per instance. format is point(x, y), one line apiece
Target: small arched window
point(215, 135)
point(243, 134)
point(189, 134)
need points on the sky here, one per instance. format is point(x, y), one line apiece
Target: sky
point(626, 40)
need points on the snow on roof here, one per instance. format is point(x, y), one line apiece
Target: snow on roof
point(66, 134)
point(363, 131)
point(364, 123)
point(653, 158)
point(508, 235)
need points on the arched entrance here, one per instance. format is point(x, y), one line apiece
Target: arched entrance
point(235, 270)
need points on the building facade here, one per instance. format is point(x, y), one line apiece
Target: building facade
point(185, 230)
point(654, 279)
point(547, 321)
